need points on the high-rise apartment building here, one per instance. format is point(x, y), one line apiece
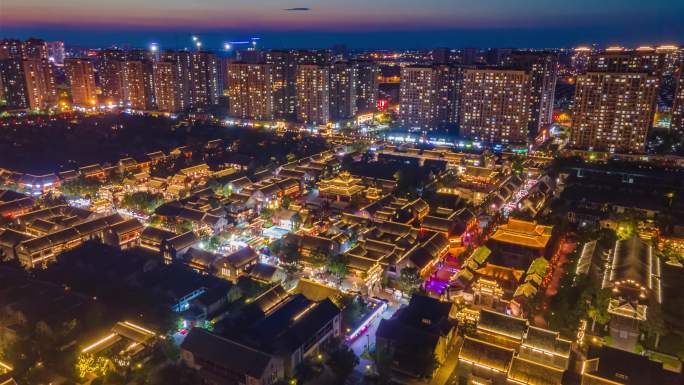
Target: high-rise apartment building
point(617, 59)
point(284, 69)
point(81, 76)
point(543, 70)
point(11, 49)
point(613, 111)
point(37, 85)
point(343, 78)
point(250, 91)
point(166, 86)
point(677, 123)
point(133, 87)
point(313, 90)
point(199, 78)
point(367, 85)
point(447, 90)
point(26, 76)
point(13, 83)
point(417, 95)
point(111, 74)
point(494, 105)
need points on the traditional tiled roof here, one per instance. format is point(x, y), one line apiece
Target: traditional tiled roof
point(548, 341)
point(524, 233)
point(203, 258)
point(17, 204)
point(484, 353)
point(241, 257)
point(11, 238)
point(494, 322)
point(127, 226)
point(315, 291)
point(183, 241)
point(437, 224)
point(500, 273)
point(263, 272)
point(156, 235)
point(531, 373)
point(631, 261)
point(223, 352)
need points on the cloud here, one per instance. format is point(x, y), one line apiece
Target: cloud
point(297, 9)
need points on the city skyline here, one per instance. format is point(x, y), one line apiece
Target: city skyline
point(381, 24)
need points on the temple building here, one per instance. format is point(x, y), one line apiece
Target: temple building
point(634, 277)
point(344, 187)
point(506, 350)
point(516, 243)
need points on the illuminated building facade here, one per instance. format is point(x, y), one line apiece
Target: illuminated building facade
point(250, 91)
point(342, 90)
point(198, 78)
point(494, 105)
point(37, 84)
point(447, 87)
point(643, 59)
point(111, 75)
point(613, 111)
point(542, 68)
point(367, 84)
point(313, 91)
point(133, 85)
point(81, 75)
point(11, 49)
point(14, 91)
point(37, 49)
point(417, 94)
point(166, 91)
point(677, 123)
point(26, 76)
point(284, 70)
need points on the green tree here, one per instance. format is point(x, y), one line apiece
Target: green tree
point(81, 187)
point(290, 253)
point(654, 325)
point(142, 201)
point(342, 361)
point(598, 308)
point(318, 258)
point(337, 266)
point(352, 310)
point(184, 226)
point(409, 280)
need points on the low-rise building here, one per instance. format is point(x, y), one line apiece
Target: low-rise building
point(237, 264)
point(506, 350)
point(422, 329)
point(221, 360)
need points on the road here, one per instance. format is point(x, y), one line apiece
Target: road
point(360, 344)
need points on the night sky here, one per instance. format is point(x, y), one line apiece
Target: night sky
point(357, 23)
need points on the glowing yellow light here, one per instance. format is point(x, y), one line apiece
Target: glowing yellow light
point(140, 328)
point(109, 337)
point(668, 47)
point(5, 366)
